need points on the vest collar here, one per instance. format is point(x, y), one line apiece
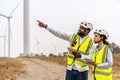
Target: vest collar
point(99, 47)
point(84, 37)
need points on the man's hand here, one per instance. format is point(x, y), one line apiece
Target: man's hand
point(41, 24)
point(76, 54)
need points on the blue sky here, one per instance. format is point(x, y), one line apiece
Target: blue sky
point(64, 15)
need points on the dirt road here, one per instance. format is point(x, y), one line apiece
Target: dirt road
point(43, 70)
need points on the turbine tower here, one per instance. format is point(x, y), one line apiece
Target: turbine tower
point(26, 31)
point(55, 48)
point(4, 44)
point(37, 44)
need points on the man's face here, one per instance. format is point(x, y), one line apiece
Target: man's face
point(81, 31)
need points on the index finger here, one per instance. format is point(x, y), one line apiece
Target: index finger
point(37, 20)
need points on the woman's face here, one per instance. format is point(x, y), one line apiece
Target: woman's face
point(97, 37)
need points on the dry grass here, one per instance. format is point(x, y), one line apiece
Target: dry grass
point(10, 68)
point(60, 60)
point(63, 61)
point(116, 67)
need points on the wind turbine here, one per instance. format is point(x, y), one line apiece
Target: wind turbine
point(4, 37)
point(37, 44)
point(55, 48)
point(4, 44)
point(9, 28)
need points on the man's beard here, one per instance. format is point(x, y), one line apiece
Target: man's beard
point(96, 42)
point(81, 34)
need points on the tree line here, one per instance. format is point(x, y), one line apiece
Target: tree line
point(114, 47)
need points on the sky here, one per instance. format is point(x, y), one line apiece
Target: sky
point(63, 15)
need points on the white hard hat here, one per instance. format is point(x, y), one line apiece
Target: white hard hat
point(102, 32)
point(86, 25)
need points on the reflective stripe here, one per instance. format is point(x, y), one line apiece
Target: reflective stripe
point(103, 73)
point(78, 59)
point(72, 57)
point(88, 48)
point(104, 54)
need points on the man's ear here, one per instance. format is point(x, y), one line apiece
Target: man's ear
point(88, 30)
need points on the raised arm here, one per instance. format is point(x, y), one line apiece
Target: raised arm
point(56, 33)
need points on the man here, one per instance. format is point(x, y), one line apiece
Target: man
point(80, 41)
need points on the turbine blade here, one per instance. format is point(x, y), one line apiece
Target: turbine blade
point(35, 37)
point(14, 9)
point(3, 15)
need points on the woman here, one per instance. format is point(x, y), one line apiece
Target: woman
point(102, 57)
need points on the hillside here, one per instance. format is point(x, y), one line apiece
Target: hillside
point(42, 68)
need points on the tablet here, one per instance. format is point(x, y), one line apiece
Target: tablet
point(76, 53)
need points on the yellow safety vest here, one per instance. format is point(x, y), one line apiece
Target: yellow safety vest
point(99, 58)
point(84, 48)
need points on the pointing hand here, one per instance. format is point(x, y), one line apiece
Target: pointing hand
point(41, 24)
